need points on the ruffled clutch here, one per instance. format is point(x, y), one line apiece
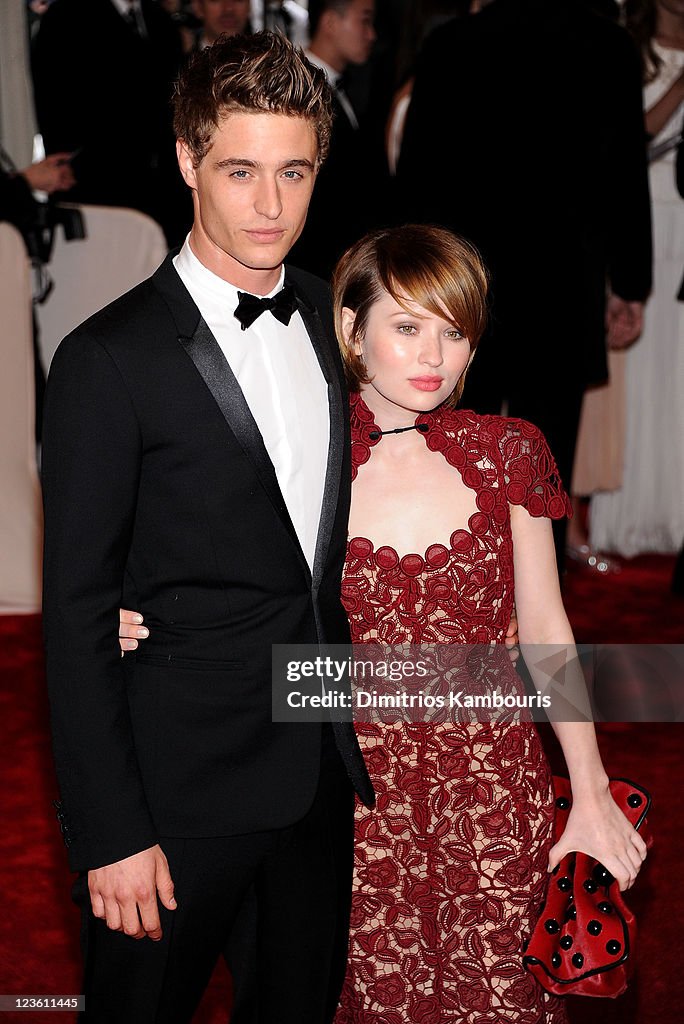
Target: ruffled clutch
point(583, 942)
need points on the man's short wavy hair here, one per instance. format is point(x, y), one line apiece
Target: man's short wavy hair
point(260, 72)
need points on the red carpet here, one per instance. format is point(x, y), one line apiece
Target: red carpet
point(39, 927)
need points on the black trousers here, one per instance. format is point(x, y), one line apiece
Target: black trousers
point(297, 882)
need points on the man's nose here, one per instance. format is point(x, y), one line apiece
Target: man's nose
point(268, 202)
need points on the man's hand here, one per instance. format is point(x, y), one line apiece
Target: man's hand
point(124, 894)
point(131, 629)
point(624, 322)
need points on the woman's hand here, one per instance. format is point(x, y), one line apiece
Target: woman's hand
point(131, 630)
point(596, 826)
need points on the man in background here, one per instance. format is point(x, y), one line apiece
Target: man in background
point(525, 134)
point(349, 196)
point(103, 72)
point(219, 17)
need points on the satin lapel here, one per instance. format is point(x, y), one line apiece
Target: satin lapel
point(216, 373)
point(331, 491)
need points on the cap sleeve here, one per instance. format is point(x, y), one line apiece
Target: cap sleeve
point(531, 476)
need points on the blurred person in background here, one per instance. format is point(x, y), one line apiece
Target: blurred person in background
point(103, 72)
point(349, 193)
point(541, 163)
point(19, 207)
point(647, 512)
point(218, 17)
point(419, 21)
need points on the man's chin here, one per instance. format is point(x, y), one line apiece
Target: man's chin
point(265, 258)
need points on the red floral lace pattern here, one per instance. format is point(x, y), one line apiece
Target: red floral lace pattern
point(450, 866)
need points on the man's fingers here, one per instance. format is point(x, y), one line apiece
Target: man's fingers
point(97, 903)
point(149, 915)
point(165, 883)
point(113, 914)
point(130, 922)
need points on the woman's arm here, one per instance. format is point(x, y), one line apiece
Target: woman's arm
point(596, 825)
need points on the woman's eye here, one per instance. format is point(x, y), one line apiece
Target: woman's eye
point(407, 328)
point(455, 334)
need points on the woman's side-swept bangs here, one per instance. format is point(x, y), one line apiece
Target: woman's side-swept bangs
point(421, 264)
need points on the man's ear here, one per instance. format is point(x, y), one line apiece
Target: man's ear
point(348, 321)
point(186, 164)
point(328, 23)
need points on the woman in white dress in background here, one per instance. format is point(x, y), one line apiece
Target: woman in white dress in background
point(647, 513)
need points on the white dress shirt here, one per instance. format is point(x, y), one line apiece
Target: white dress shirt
point(124, 7)
point(280, 377)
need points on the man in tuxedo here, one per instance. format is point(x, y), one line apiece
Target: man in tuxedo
point(525, 134)
point(345, 204)
point(103, 73)
point(196, 467)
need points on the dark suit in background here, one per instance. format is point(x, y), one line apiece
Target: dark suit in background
point(103, 90)
point(350, 196)
point(160, 495)
point(525, 135)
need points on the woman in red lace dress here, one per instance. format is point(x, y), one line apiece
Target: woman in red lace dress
point(451, 864)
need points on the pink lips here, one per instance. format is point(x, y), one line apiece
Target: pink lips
point(427, 383)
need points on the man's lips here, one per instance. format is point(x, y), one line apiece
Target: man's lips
point(426, 383)
point(265, 234)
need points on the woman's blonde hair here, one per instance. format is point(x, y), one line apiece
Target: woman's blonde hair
point(422, 264)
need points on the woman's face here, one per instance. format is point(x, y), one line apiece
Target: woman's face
point(414, 359)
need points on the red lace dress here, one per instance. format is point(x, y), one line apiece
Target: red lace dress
point(450, 866)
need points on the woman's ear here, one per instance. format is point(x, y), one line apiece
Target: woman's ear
point(348, 321)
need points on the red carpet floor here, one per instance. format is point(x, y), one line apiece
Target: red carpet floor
point(39, 927)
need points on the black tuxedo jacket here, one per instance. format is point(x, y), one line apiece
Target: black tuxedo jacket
point(525, 134)
point(159, 495)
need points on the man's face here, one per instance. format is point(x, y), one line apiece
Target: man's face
point(251, 191)
point(219, 16)
point(353, 31)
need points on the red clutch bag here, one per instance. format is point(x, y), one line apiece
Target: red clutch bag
point(583, 942)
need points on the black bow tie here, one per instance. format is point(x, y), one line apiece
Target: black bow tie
point(281, 305)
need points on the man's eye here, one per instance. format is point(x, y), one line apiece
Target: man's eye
point(240, 174)
point(292, 175)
